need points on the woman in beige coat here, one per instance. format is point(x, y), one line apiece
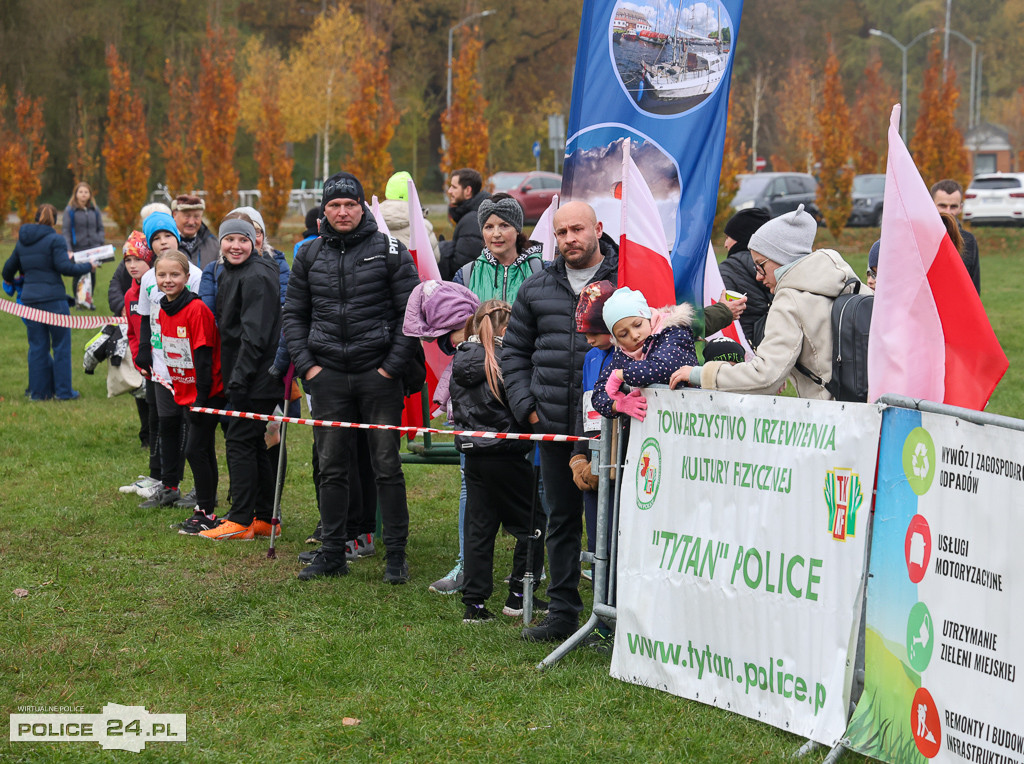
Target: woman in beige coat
point(799, 324)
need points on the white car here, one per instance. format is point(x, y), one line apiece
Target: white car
point(995, 198)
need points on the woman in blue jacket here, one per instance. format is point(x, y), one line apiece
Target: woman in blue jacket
point(42, 257)
point(83, 228)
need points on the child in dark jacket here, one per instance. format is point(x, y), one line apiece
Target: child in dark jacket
point(650, 345)
point(499, 480)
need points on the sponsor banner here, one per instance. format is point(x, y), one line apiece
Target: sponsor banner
point(943, 640)
point(743, 530)
point(657, 73)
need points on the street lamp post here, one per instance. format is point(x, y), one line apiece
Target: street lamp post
point(903, 50)
point(974, 59)
point(451, 34)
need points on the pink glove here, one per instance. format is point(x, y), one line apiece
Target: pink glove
point(612, 387)
point(634, 404)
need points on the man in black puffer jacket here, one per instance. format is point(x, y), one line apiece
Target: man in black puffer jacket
point(739, 274)
point(343, 326)
point(542, 365)
point(464, 196)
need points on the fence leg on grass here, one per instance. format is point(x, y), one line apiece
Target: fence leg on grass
point(835, 753)
point(805, 749)
point(601, 559)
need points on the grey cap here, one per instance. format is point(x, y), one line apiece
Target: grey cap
point(239, 226)
point(786, 238)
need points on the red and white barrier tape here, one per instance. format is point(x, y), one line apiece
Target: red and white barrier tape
point(58, 319)
point(545, 438)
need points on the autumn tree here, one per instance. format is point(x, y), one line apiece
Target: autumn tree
point(84, 161)
point(8, 175)
point(464, 125)
point(320, 80)
point(125, 146)
point(260, 112)
point(734, 160)
point(372, 119)
point(938, 144)
point(217, 121)
point(29, 155)
point(177, 141)
point(870, 116)
point(833, 148)
point(796, 118)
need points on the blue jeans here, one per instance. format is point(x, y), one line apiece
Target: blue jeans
point(370, 398)
point(49, 375)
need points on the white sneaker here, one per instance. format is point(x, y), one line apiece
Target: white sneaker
point(150, 490)
point(139, 485)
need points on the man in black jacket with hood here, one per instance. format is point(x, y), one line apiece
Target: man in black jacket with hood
point(740, 275)
point(542, 366)
point(343, 326)
point(464, 197)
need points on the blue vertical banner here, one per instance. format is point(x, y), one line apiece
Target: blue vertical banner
point(658, 73)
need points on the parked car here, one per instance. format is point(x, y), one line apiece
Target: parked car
point(533, 190)
point(777, 192)
point(996, 197)
point(868, 194)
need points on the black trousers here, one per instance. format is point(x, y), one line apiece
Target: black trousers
point(362, 490)
point(565, 531)
point(499, 492)
point(201, 452)
point(252, 475)
point(173, 430)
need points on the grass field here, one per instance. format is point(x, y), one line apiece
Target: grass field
point(121, 609)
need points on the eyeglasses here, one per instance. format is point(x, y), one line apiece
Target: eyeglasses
point(872, 273)
point(760, 266)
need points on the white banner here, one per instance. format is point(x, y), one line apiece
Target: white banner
point(742, 537)
point(943, 639)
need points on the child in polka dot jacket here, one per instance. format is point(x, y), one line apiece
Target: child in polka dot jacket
point(650, 345)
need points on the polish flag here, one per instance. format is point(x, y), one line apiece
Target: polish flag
point(930, 337)
point(544, 232)
point(644, 262)
point(713, 285)
point(381, 225)
point(426, 266)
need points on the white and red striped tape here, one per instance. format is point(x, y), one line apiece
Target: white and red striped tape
point(545, 438)
point(58, 319)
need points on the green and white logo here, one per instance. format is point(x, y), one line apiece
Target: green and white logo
point(919, 460)
point(648, 474)
point(920, 636)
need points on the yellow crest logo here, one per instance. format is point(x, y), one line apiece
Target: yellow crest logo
point(181, 332)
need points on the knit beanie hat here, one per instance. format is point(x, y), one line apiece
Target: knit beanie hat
point(342, 185)
point(238, 226)
point(398, 186)
point(589, 319)
point(186, 202)
point(149, 209)
point(744, 224)
point(786, 238)
point(156, 222)
point(625, 303)
point(436, 308)
point(135, 246)
point(507, 209)
point(724, 349)
point(873, 254)
point(254, 216)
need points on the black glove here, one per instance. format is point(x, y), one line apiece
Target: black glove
point(144, 358)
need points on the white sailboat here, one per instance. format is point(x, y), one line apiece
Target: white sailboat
point(694, 70)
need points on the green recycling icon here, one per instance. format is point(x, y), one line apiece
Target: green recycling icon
point(919, 460)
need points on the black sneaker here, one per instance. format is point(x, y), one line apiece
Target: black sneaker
point(551, 629)
point(514, 605)
point(325, 565)
point(317, 536)
point(199, 522)
point(307, 557)
point(600, 640)
point(477, 614)
point(396, 570)
point(188, 501)
point(164, 497)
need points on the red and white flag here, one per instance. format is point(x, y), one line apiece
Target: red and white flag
point(644, 262)
point(381, 225)
point(713, 285)
point(544, 231)
point(426, 266)
point(930, 337)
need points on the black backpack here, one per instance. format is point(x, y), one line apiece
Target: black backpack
point(851, 322)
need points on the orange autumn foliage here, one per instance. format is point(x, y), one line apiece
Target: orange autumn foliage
point(217, 122)
point(870, 115)
point(833, 149)
point(734, 160)
point(84, 161)
point(795, 117)
point(372, 119)
point(938, 144)
point(7, 149)
point(29, 155)
point(125, 146)
point(177, 141)
point(465, 126)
